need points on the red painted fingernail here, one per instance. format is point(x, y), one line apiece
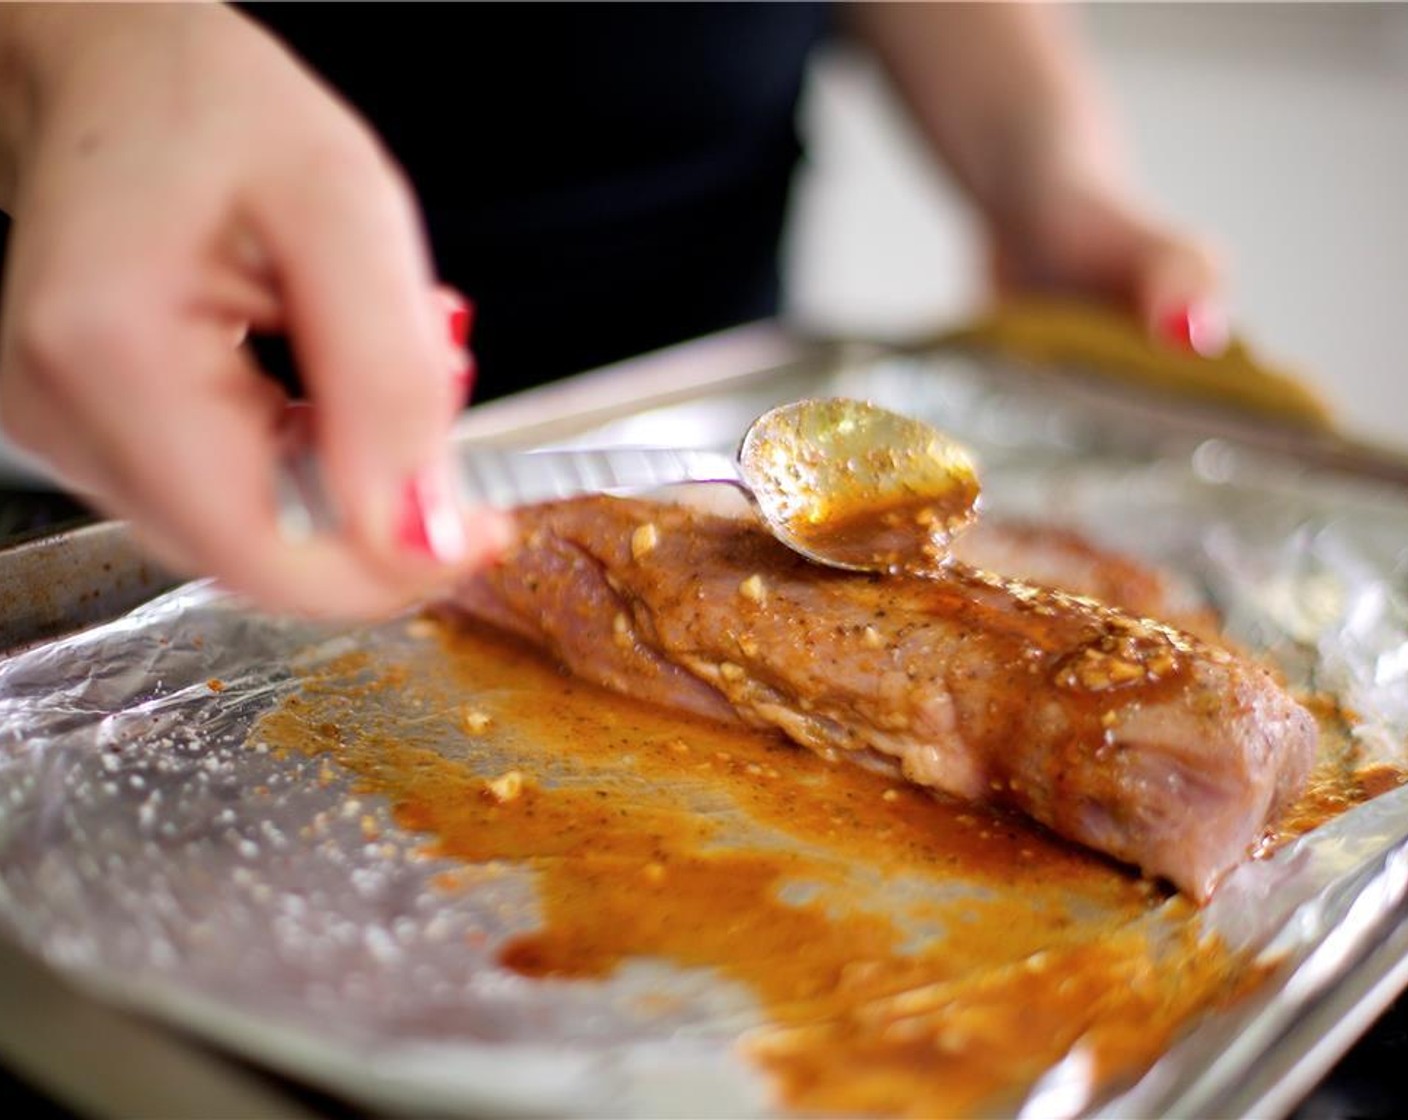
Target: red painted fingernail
point(460, 316)
point(1176, 327)
point(1199, 328)
point(411, 532)
point(429, 522)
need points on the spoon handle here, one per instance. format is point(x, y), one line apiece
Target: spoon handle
point(493, 477)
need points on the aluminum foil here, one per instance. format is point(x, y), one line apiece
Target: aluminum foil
point(156, 854)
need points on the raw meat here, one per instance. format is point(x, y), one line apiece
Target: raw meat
point(1115, 731)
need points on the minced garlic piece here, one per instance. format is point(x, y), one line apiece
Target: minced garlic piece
point(753, 589)
point(1162, 665)
point(477, 721)
point(644, 539)
point(731, 672)
point(1122, 672)
point(621, 630)
point(871, 638)
point(506, 787)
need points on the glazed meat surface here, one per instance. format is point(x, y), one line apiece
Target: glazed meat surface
point(1114, 731)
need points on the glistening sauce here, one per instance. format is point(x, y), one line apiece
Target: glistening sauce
point(654, 835)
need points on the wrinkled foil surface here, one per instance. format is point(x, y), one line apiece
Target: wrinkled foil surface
point(153, 854)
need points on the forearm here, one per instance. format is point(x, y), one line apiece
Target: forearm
point(1001, 93)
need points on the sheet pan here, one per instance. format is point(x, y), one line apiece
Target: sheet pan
point(1307, 556)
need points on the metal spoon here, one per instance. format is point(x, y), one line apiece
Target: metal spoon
point(842, 482)
point(852, 485)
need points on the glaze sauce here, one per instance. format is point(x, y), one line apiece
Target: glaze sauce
point(1340, 780)
point(910, 955)
point(902, 534)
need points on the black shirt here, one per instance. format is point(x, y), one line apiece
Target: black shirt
point(601, 179)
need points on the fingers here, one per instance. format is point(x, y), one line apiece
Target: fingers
point(458, 315)
point(1090, 244)
point(1177, 286)
point(352, 269)
point(195, 478)
point(220, 510)
point(138, 394)
point(1197, 326)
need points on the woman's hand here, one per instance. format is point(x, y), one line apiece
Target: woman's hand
point(176, 179)
point(1092, 241)
point(1006, 98)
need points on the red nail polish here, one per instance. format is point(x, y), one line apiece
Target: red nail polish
point(1176, 327)
point(1198, 328)
point(461, 319)
point(412, 533)
point(429, 521)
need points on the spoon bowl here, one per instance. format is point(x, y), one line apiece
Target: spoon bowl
point(852, 485)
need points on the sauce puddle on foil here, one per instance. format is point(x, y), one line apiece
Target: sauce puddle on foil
point(1340, 780)
point(909, 955)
